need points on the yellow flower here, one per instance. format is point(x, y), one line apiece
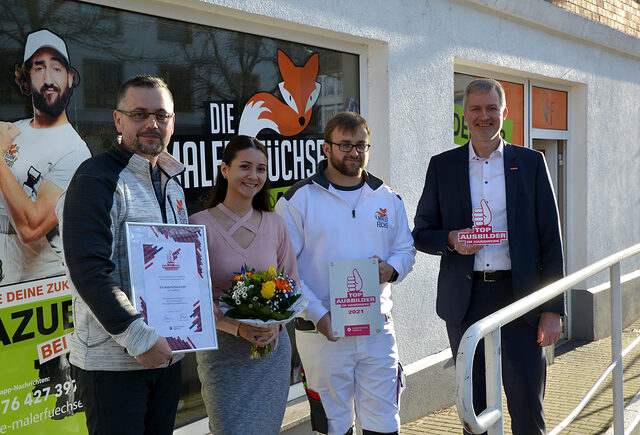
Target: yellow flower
point(273, 272)
point(268, 289)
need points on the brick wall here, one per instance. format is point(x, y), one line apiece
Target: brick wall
point(622, 15)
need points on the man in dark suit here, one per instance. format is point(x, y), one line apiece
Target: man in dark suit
point(505, 191)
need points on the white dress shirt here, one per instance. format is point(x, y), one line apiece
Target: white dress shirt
point(486, 180)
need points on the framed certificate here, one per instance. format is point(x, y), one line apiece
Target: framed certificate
point(355, 297)
point(171, 284)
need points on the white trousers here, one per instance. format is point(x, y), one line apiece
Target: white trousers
point(354, 376)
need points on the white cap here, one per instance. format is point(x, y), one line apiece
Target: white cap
point(44, 38)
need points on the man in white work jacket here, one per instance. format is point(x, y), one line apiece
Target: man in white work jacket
point(343, 212)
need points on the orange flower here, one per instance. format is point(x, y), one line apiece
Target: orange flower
point(283, 284)
point(237, 278)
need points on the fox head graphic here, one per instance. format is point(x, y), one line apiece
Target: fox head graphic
point(300, 92)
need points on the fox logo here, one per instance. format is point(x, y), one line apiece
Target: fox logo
point(300, 92)
point(182, 214)
point(382, 220)
point(11, 155)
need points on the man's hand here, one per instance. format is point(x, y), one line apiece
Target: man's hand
point(385, 270)
point(159, 354)
point(8, 133)
point(324, 327)
point(461, 247)
point(549, 328)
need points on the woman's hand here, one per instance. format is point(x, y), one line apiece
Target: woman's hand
point(259, 336)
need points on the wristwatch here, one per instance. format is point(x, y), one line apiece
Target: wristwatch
point(394, 276)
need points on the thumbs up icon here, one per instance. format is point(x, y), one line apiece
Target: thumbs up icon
point(482, 215)
point(354, 282)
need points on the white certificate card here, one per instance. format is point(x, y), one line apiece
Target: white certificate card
point(355, 297)
point(171, 285)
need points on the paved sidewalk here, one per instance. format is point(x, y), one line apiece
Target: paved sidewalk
point(578, 365)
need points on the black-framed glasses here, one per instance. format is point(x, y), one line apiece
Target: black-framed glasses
point(139, 115)
point(347, 147)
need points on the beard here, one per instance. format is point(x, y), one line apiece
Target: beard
point(341, 165)
point(54, 109)
point(139, 146)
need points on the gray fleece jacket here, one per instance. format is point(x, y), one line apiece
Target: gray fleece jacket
point(106, 191)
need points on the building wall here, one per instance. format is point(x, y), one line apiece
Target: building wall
point(410, 51)
point(420, 44)
point(622, 15)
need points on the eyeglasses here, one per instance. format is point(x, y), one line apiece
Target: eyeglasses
point(140, 116)
point(347, 147)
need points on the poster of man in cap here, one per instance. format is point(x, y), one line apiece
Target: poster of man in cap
point(38, 156)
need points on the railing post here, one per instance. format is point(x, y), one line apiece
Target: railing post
point(493, 370)
point(616, 350)
point(486, 328)
point(464, 385)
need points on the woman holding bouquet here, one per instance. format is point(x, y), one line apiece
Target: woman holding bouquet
point(243, 395)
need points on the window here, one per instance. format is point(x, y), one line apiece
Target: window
point(178, 81)
point(8, 87)
point(212, 74)
point(173, 31)
point(100, 78)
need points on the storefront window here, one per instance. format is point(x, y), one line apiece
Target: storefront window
point(212, 72)
point(548, 108)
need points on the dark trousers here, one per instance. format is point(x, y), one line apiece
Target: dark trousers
point(523, 361)
point(130, 402)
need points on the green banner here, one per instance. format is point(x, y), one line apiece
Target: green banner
point(37, 393)
point(461, 130)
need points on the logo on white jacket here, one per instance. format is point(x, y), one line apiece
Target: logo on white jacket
point(382, 220)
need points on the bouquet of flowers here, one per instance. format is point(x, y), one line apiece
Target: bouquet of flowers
point(262, 299)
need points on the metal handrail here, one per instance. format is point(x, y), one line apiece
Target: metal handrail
point(490, 420)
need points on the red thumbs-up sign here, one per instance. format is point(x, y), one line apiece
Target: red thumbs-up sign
point(354, 282)
point(482, 216)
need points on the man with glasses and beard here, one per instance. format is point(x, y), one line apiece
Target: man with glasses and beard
point(128, 379)
point(344, 212)
point(40, 156)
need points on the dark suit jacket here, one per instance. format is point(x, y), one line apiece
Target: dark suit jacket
point(533, 227)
